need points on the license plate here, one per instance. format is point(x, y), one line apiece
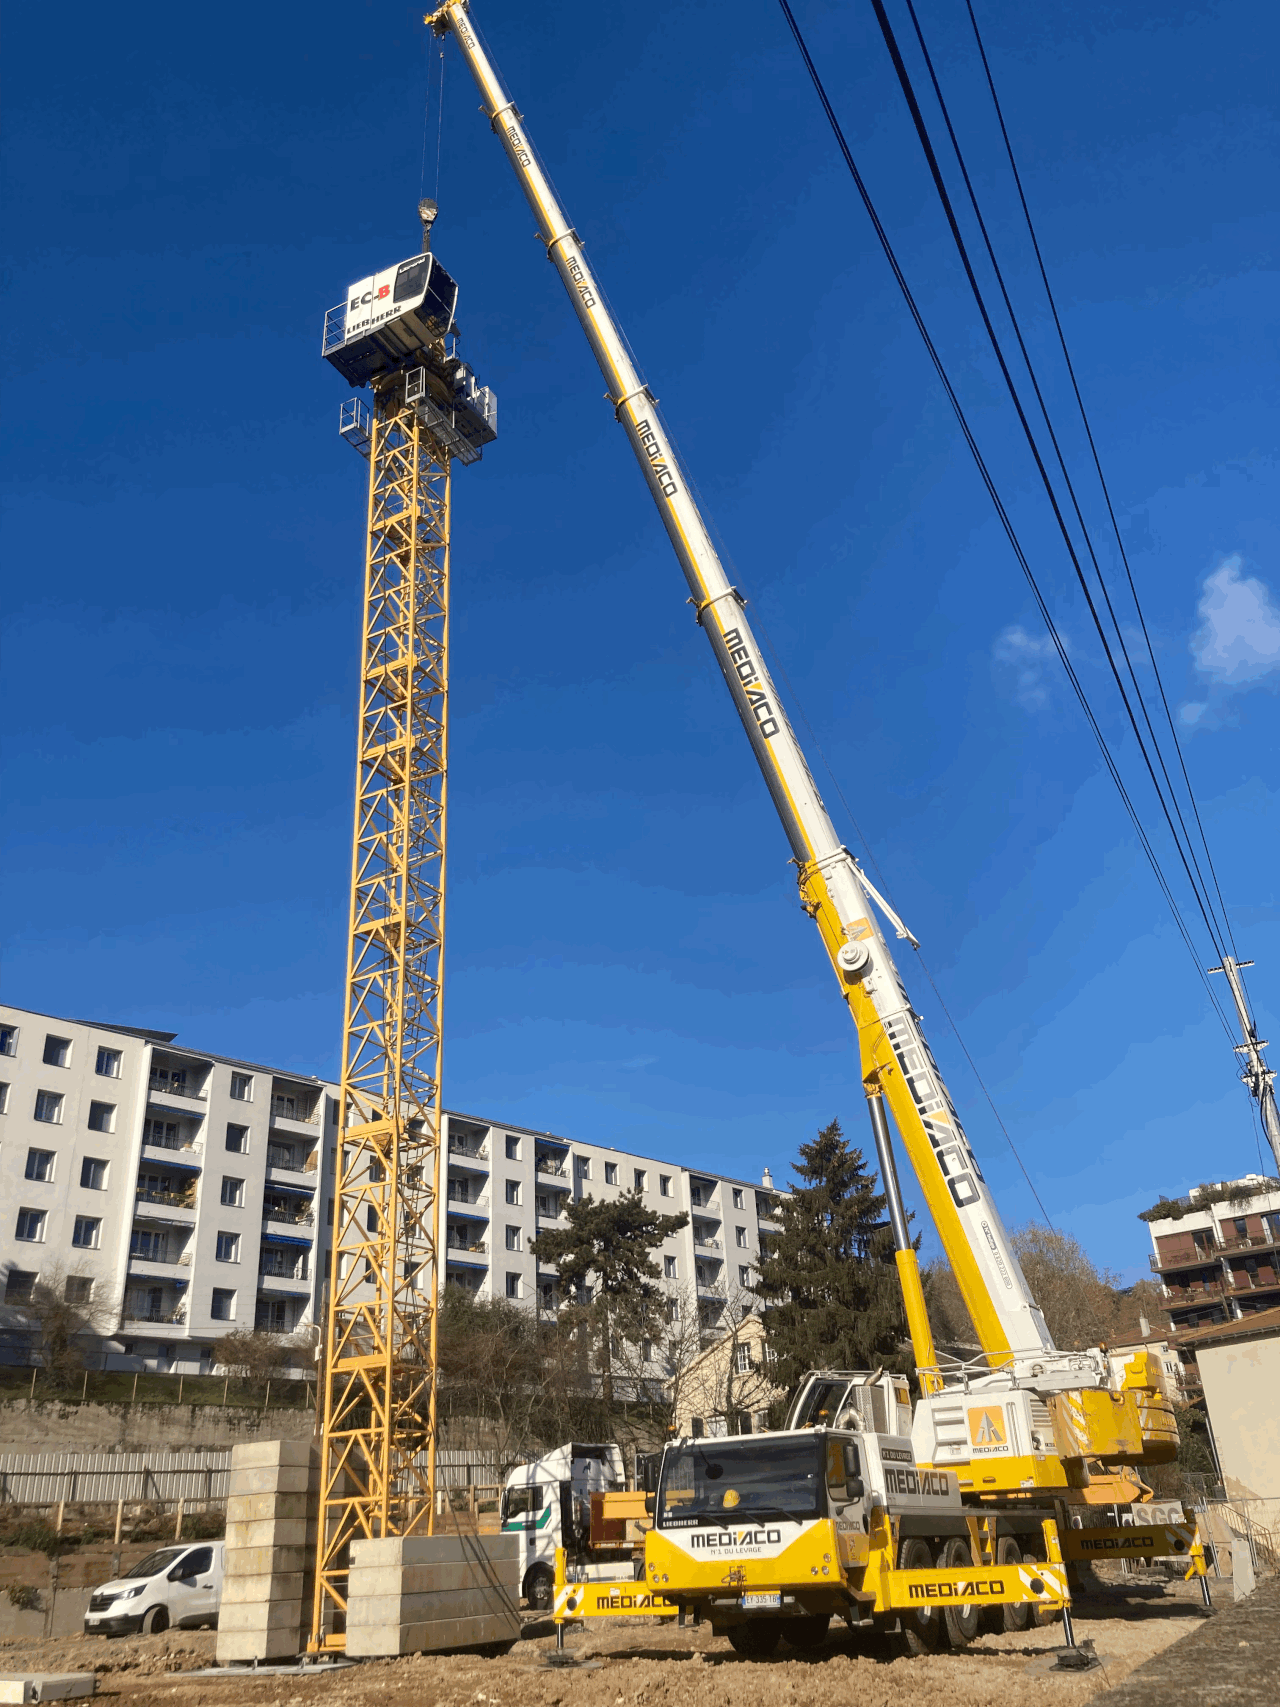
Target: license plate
point(752, 1602)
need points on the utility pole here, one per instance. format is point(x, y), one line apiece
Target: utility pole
point(1260, 1079)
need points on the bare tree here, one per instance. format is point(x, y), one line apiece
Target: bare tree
point(256, 1358)
point(65, 1313)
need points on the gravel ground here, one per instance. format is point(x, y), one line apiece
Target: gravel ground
point(1129, 1621)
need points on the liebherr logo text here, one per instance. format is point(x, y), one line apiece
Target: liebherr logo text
point(957, 1161)
point(749, 676)
point(703, 1539)
point(662, 469)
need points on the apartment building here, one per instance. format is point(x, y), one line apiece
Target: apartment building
point(506, 1184)
point(1216, 1253)
point(180, 1195)
point(174, 1193)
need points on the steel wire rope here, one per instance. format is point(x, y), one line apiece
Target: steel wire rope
point(935, 171)
point(1001, 512)
point(1097, 463)
point(1203, 891)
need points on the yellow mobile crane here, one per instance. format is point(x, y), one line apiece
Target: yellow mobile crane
point(1029, 1420)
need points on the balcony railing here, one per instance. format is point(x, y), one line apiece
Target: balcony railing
point(708, 1244)
point(135, 1315)
point(547, 1165)
point(288, 1217)
point(1197, 1259)
point(162, 1082)
point(1254, 1283)
point(478, 1250)
point(464, 1201)
point(165, 1141)
point(289, 1108)
point(1253, 1242)
point(175, 1199)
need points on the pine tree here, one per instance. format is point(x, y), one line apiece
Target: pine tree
point(605, 1263)
point(828, 1282)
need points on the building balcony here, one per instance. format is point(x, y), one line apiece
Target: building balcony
point(1208, 1258)
point(548, 1209)
point(158, 1267)
point(552, 1167)
point(709, 1288)
point(468, 1162)
point(1254, 1242)
point(285, 1285)
point(704, 1244)
point(290, 1169)
point(167, 1206)
point(183, 1091)
point(1242, 1287)
point(458, 1198)
point(285, 1223)
point(470, 1254)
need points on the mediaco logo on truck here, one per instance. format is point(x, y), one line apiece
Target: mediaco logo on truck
point(702, 1541)
point(975, 1590)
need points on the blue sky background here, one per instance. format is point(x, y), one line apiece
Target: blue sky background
point(627, 961)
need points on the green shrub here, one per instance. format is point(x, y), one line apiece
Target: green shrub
point(25, 1596)
point(204, 1525)
point(36, 1536)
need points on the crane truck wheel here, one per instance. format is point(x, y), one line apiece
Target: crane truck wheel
point(756, 1639)
point(961, 1621)
point(1010, 1618)
point(807, 1635)
point(539, 1587)
point(922, 1631)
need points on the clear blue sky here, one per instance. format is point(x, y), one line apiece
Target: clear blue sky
point(189, 192)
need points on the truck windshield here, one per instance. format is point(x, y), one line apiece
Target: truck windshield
point(153, 1564)
point(709, 1481)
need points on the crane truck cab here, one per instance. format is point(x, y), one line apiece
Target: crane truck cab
point(548, 1505)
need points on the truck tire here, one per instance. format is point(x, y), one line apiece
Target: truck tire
point(961, 1621)
point(156, 1621)
point(756, 1639)
point(806, 1635)
point(539, 1587)
point(1015, 1618)
point(922, 1631)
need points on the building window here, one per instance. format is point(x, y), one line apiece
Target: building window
point(8, 1040)
point(664, 1185)
point(513, 1191)
point(238, 1140)
point(19, 1286)
point(4, 1098)
point(669, 1268)
point(513, 1285)
point(641, 1178)
point(149, 1247)
point(242, 1087)
point(162, 1132)
point(84, 1235)
point(31, 1226)
point(740, 1237)
point(57, 1051)
point(547, 1295)
point(696, 1427)
point(744, 1276)
point(272, 1316)
point(40, 1165)
point(742, 1360)
point(583, 1166)
point(513, 1148)
point(49, 1107)
point(646, 1351)
point(93, 1173)
point(232, 1192)
point(611, 1173)
point(222, 1306)
point(102, 1117)
point(513, 1239)
point(673, 1309)
point(108, 1064)
point(79, 1289)
point(739, 1201)
point(228, 1247)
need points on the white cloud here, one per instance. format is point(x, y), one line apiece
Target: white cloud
point(1239, 642)
point(1027, 655)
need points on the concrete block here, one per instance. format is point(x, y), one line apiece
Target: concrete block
point(266, 1561)
point(382, 1640)
point(254, 1508)
point(261, 1616)
point(16, 1686)
point(420, 1608)
point(279, 1585)
point(272, 1532)
point(434, 1549)
point(405, 1580)
point(270, 1479)
point(257, 1454)
point(240, 1645)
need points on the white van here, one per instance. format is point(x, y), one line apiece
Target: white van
point(179, 1586)
point(548, 1504)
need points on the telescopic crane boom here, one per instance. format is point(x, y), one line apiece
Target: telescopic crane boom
point(897, 1065)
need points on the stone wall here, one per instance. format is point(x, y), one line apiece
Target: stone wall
point(50, 1426)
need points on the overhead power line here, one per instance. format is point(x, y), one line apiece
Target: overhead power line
point(1003, 515)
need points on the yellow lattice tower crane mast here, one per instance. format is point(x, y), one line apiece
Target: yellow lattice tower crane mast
point(396, 333)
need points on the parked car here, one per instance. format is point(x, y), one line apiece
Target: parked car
point(179, 1586)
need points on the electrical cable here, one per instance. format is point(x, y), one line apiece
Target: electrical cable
point(1001, 512)
point(1097, 463)
point(935, 171)
point(1203, 889)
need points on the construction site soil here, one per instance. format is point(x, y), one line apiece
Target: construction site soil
point(1155, 1642)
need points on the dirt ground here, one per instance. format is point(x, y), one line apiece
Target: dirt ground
point(1129, 1620)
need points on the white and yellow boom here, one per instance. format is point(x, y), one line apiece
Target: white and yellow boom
point(897, 1065)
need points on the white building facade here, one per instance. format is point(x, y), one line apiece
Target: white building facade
point(177, 1195)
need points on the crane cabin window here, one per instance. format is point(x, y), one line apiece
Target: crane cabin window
point(713, 1482)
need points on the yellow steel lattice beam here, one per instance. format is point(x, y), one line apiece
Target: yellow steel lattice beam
point(378, 1470)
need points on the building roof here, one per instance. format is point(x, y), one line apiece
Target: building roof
point(1261, 1324)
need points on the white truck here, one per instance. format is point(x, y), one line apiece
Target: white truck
point(548, 1504)
point(178, 1586)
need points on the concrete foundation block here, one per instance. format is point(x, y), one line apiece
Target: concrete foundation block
point(415, 1593)
point(243, 1645)
point(269, 1479)
point(259, 1454)
point(267, 1561)
point(254, 1508)
point(262, 1616)
point(272, 1532)
point(243, 1590)
point(20, 1687)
